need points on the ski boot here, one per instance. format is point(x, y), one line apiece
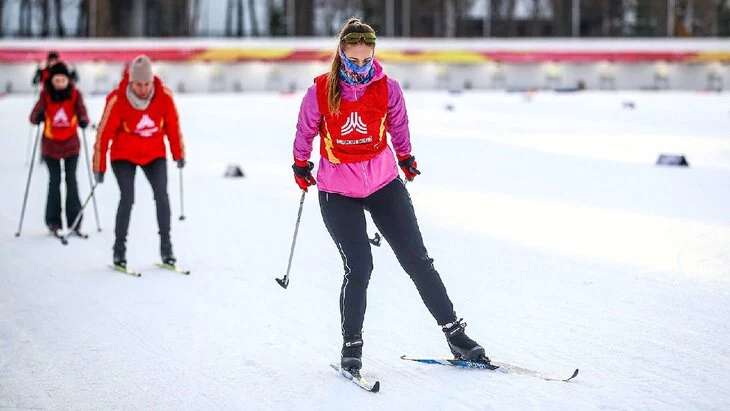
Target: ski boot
point(120, 255)
point(463, 347)
point(78, 233)
point(55, 230)
point(168, 257)
point(351, 354)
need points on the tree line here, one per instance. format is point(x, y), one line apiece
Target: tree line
point(408, 18)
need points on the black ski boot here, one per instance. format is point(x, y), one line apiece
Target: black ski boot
point(120, 255)
point(463, 347)
point(166, 250)
point(351, 354)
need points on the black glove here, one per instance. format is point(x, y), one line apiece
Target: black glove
point(99, 177)
point(409, 166)
point(303, 173)
point(181, 163)
point(37, 77)
point(83, 123)
point(39, 117)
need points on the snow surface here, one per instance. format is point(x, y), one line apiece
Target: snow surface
point(559, 240)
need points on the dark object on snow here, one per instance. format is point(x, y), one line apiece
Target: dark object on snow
point(672, 160)
point(629, 104)
point(234, 170)
point(449, 107)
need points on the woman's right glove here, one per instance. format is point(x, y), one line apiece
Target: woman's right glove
point(409, 166)
point(303, 173)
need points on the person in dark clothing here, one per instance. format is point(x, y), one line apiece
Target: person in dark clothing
point(43, 73)
point(137, 118)
point(156, 174)
point(351, 108)
point(61, 109)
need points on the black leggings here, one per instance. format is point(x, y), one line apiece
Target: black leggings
point(156, 173)
point(393, 214)
point(53, 202)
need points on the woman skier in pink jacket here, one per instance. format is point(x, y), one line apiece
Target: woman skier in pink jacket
point(351, 108)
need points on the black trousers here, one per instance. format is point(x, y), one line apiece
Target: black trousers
point(156, 173)
point(53, 201)
point(393, 214)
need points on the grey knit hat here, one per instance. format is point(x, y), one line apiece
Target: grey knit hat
point(141, 69)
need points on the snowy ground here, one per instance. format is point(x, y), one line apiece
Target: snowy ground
point(559, 240)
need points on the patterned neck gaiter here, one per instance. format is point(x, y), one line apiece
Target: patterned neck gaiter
point(354, 74)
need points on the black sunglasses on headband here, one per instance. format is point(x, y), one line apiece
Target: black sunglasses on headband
point(354, 38)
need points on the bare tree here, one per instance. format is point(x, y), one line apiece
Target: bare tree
point(229, 17)
point(304, 17)
point(511, 21)
point(723, 18)
point(194, 18)
point(59, 18)
point(277, 20)
point(45, 18)
point(536, 18)
point(239, 18)
point(177, 13)
point(330, 12)
point(449, 14)
point(2, 8)
point(25, 22)
point(606, 22)
point(82, 19)
point(253, 18)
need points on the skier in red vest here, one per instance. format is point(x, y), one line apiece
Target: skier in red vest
point(137, 117)
point(42, 74)
point(351, 108)
point(61, 109)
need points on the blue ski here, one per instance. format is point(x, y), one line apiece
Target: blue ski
point(493, 365)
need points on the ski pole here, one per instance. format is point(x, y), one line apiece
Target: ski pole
point(182, 203)
point(30, 137)
point(28, 147)
point(27, 183)
point(64, 238)
point(91, 181)
point(284, 282)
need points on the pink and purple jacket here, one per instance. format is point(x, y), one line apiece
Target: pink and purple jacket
point(362, 178)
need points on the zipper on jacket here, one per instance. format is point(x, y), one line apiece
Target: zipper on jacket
point(365, 174)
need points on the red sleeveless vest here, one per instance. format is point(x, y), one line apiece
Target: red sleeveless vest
point(61, 120)
point(358, 133)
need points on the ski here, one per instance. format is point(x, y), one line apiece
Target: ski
point(493, 365)
point(125, 270)
point(357, 379)
point(64, 237)
point(174, 268)
point(79, 234)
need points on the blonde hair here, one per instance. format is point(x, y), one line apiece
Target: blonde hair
point(353, 25)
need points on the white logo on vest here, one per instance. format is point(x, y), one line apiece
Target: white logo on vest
point(146, 127)
point(61, 119)
point(354, 123)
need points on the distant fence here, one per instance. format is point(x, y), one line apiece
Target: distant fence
point(274, 64)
